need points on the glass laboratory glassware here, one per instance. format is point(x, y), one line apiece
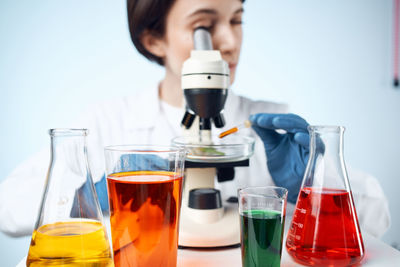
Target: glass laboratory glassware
point(262, 213)
point(324, 229)
point(69, 230)
point(144, 189)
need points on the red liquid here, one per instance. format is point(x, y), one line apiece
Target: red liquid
point(144, 212)
point(324, 229)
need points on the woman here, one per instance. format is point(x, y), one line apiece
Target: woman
point(162, 31)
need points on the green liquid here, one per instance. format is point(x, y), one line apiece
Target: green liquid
point(261, 239)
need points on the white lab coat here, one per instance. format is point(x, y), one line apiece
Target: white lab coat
point(144, 119)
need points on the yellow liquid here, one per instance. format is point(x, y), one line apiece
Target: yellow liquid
point(75, 243)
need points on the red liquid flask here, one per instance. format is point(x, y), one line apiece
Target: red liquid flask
point(324, 229)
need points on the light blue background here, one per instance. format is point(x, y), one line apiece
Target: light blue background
point(330, 60)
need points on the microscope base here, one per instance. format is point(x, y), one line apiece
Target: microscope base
point(222, 233)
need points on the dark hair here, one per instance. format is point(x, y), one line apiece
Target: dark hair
point(148, 16)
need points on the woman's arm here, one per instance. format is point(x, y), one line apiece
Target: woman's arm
point(21, 193)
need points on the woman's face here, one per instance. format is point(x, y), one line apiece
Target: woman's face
point(222, 17)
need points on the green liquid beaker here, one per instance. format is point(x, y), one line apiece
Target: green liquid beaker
point(262, 218)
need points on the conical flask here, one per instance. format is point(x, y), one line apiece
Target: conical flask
point(69, 229)
point(324, 229)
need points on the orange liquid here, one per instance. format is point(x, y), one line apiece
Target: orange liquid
point(228, 132)
point(144, 209)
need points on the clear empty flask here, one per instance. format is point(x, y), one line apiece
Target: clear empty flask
point(325, 230)
point(69, 230)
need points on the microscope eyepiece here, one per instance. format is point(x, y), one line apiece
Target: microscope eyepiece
point(202, 39)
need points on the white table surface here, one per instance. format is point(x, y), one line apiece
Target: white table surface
point(377, 254)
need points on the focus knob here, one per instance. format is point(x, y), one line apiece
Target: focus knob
point(205, 199)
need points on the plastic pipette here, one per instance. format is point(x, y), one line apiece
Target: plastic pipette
point(245, 124)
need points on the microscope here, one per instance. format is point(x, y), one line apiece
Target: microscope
point(207, 220)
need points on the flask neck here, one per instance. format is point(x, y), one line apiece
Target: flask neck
point(68, 146)
point(327, 140)
point(326, 167)
point(69, 191)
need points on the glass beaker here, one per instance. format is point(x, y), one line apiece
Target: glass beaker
point(262, 213)
point(324, 229)
point(69, 230)
point(144, 188)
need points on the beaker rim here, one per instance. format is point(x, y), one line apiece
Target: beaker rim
point(326, 128)
point(145, 148)
point(249, 191)
point(69, 131)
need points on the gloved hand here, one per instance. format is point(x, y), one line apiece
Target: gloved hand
point(287, 153)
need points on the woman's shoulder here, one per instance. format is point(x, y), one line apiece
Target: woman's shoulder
point(137, 101)
point(122, 108)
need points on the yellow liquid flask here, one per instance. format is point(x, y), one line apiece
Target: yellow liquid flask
point(69, 229)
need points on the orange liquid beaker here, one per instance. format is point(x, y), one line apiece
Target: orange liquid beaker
point(144, 190)
point(144, 218)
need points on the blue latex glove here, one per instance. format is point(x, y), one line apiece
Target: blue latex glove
point(127, 163)
point(287, 154)
point(80, 200)
point(101, 190)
